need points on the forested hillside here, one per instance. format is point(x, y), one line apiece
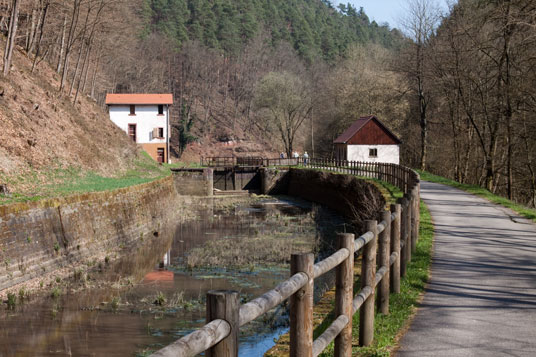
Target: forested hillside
point(314, 28)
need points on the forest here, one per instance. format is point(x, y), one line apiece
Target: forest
point(457, 87)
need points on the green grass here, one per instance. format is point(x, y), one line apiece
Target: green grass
point(529, 213)
point(60, 181)
point(401, 306)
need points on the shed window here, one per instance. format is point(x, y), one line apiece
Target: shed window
point(373, 152)
point(132, 109)
point(160, 109)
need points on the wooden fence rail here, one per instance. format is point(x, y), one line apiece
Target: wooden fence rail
point(395, 238)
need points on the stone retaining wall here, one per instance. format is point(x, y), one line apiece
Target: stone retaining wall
point(43, 237)
point(356, 199)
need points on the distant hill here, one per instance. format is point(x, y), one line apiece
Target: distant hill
point(314, 27)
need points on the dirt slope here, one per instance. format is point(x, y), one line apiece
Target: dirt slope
point(39, 128)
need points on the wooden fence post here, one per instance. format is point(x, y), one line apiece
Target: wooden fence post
point(395, 247)
point(409, 241)
point(403, 236)
point(368, 275)
point(385, 253)
point(344, 295)
point(225, 305)
point(301, 308)
point(414, 230)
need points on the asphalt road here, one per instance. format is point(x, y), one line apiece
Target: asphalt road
point(481, 299)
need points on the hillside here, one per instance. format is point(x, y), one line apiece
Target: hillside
point(314, 28)
point(42, 131)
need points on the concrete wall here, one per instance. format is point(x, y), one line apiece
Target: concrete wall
point(386, 153)
point(54, 236)
point(194, 182)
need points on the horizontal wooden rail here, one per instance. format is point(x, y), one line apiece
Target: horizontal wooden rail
point(363, 240)
point(330, 262)
point(329, 335)
point(197, 341)
point(394, 237)
point(360, 298)
point(272, 298)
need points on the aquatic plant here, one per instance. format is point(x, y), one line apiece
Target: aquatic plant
point(160, 299)
point(56, 292)
point(11, 301)
point(115, 303)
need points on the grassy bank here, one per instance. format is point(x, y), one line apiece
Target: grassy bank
point(389, 328)
point(34, 185)
point(482, 192)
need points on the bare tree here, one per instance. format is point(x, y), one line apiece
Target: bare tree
point(12, 35)
point(419, 25)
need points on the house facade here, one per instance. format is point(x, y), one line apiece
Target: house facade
point(145, 119)
point(368, 140)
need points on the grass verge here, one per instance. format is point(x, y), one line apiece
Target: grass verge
point(60, 181)
point(388, 328)
point(482, 192)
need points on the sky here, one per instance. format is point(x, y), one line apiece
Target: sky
point(382, 11)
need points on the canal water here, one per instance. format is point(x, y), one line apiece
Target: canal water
point(140, 303)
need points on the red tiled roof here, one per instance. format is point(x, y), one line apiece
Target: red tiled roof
point(139, 98)
point(357, 125)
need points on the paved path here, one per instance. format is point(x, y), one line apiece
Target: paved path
point(481, 300)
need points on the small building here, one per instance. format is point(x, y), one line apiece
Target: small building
point(145, 119)
point(368, 140)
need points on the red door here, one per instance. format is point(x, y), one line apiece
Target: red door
point(160, 155)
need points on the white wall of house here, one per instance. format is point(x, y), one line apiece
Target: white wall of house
point(146, 120)
point(386, 153)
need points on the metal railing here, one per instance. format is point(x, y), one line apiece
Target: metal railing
point(395, 237)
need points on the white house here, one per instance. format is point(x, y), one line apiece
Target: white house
point(145, 119)
point(368, 140)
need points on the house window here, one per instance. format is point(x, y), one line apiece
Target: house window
point(158, 133)
point(160, 109)
point(132, 109)
point(132, 131)
point(373, 152)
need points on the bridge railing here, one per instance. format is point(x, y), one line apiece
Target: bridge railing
point(400, 176)
point(393, 241)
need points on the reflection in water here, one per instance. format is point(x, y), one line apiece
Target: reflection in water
point(119, 319)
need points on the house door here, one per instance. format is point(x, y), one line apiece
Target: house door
point(160, 153)
point(132, 131)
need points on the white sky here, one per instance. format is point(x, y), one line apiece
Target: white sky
point(385, 10)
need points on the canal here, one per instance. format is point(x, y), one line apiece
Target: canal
point(140, 302)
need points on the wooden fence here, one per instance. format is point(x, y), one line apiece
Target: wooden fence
point(393, 241)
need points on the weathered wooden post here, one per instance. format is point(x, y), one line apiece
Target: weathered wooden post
point(301, 308)
point(414, 230)
point(225, 305)
point(409, 240)
point(385, 253)
point(403, 235)
point(368, 275)
point(395, 247)
point(344, 295)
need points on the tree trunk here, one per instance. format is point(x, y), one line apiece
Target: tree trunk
point(62, 44)
point(10, 43)
point(41, 30)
